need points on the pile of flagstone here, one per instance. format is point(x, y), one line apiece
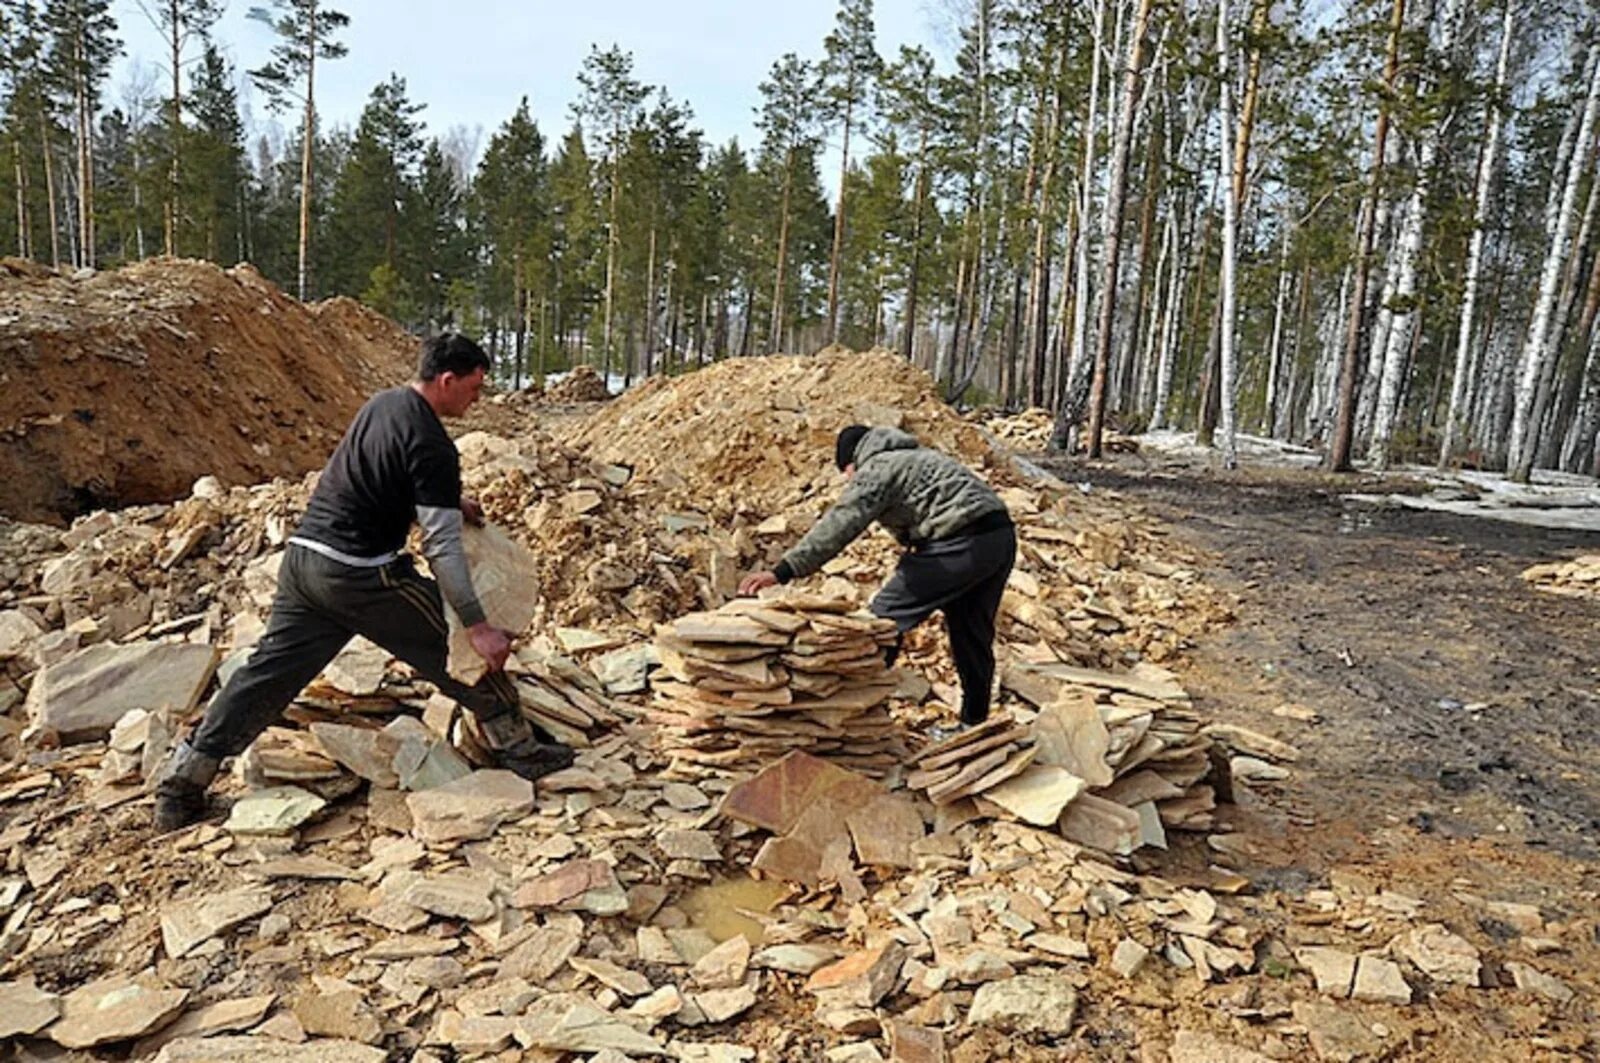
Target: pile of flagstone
point(1112, 760)
point(758, 678)
point(1578, 578)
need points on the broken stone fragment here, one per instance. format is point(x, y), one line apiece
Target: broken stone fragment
point(1027, 1003)
point(114, 1009)
point(863, 978)
point(189, 923)
point(1441, 955)
point(1333, 969)
point(81, 697)
point(1128, 957)
point(26, 1009)
point(276, 810)
point(470, 807)
point(1380, 980)
point(724, 966)
point(343, 1014)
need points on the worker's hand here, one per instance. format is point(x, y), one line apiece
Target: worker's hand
point(756, 582)
point(493, 644)
point(471, 511)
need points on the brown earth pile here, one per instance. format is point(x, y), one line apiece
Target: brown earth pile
point(127, 386)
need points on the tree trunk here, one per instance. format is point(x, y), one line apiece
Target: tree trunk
point(1080, 287)
point(1461, 383)
point(50, 192)
point(169, 213)
point(307, 133)
point(1536, 350)
point(838, 221)
point(1338, 459)
point(1232, 177)
point(775, 332)
point(1116, 194)
point(1408, 248)
point(914, 281)
point(611, 255)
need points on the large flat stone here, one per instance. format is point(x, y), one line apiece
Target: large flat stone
point(82, 697)
point(585, 1028)
point(17, 632)
point(1039, 795)
point(1027, 1003)
point(275, 810)
point(469, 808)
point(189, 923)
point(1071, 735)
point(506, 576)
point(885, 829)
point(222, 1017)
point(778, 795)
point(367, 752)
point(114, 1009)
point(26, 1009)
point(359, 669)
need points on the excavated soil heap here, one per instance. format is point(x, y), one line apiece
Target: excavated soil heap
point(125, 387)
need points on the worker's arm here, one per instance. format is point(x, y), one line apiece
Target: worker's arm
point(436, 480)
point(866, 496)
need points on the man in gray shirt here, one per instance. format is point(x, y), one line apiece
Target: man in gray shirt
point(344, 573)
point(959, 540)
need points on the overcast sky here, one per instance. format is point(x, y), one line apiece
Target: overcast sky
point(470, 61)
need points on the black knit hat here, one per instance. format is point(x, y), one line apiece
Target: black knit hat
point(844, 450)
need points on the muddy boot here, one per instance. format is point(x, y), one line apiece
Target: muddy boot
point(515, 746)
point(181, 788)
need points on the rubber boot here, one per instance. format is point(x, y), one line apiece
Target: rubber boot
point(512, 741)
point(181, 788)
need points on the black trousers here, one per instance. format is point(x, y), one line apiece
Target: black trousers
point(319, 606)
point(965, 577)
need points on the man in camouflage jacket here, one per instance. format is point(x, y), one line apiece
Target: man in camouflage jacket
point(958, 536)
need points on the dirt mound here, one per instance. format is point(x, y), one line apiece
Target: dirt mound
point(757, 433)
point(127, 386)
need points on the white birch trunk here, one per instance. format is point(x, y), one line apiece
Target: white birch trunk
point(1159, 309)
point(1080, 288)
point(1521, 447)
point(1408, 248)
point(1269, 408)
point(1461, 381)
point(1169, 337)
point(1230, 234)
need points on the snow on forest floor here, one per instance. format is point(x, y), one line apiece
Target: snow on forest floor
point(1553, 500)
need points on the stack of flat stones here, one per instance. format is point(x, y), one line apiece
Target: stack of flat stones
point(743, 685)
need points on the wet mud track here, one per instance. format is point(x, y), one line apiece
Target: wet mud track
point(1453, 698)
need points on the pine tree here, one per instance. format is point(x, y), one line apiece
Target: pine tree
point(305, 30)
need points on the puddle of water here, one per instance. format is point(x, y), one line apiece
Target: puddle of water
point(715, 908)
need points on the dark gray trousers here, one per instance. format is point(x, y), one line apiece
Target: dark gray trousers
point(965, 577)
point(319, 606)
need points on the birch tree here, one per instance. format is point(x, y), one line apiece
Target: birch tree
point(1401, 306)
point(1494, 122)
point(1537, 348)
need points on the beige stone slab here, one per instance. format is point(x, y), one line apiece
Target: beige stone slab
point(1071, 735)
point(506, 576)
point(81, 697)
point(261, 1049)
point(470, 807)
point(26, 1009)
point(1101, 824)
point(1038, 795)
point(186, 924)
point(114, 1009)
